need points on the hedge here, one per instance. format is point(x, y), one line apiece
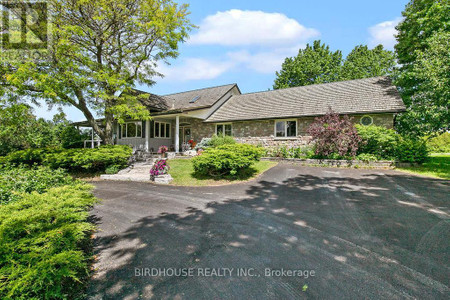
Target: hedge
point(387, 144)
point(90, 160)
point(45, 244)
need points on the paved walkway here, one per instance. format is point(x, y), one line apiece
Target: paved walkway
point(139, 172)
point(367, 234)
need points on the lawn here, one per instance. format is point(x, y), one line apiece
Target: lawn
point(183, 173)
point(438, 166)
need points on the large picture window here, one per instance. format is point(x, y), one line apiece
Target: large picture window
point(224, 130)
point(286, 129)
point(132, 130)
point(162, 130)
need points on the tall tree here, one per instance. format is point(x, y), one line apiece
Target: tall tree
point(101, 49)
point(423, 52)
point(363, 62)
point(429, 106)
point(314, 64)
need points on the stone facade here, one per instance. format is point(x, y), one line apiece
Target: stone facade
point(261, 132)
point(257, 132)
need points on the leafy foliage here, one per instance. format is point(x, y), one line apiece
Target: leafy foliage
point(363, 62)
point(44, 244)
point(423, 79)
point(314, 64)
point(20, 129)
point(204, 143)
point(334, 135)
point(226, 160)
point(318, 64)
point(440, 144)
point(90, 160)
point(377, 140)
point(411, 150)
point(294, 152)
point(14, 181)
point(250, 151)
point(366, 157)
point(217, 141)
point(99, 50)
point(387, 144)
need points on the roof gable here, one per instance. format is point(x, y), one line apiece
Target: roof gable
point(195, 99)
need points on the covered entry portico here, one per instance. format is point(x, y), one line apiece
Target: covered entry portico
point(172, 131)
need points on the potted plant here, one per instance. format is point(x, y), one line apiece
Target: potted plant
point(159, 172)
point(192, 144)
point(162, 150)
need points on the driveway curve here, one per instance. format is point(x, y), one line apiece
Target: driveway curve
point(349, 234)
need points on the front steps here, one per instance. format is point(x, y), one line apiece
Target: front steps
point(138, 171)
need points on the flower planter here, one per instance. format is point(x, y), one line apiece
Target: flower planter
point(162, 179)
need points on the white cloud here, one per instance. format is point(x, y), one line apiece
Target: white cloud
point(384, 33)
point(195, 69)
point(263, 62)
point(238, 28)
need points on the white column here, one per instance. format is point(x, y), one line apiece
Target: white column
point(177, 134)
point(147, 135)
point(92, 137)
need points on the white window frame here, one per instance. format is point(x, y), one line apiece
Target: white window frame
point(285, 129)
point(165, 131)
point(223, 132)
point(124, 133)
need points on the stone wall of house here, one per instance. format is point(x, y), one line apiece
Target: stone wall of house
point(261, 132)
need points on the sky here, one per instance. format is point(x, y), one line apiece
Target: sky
point(246, 41)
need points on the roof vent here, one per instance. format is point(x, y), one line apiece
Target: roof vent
point(194, 99)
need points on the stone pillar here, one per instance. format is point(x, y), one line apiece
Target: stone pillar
point(177, 134)
point(147, 135)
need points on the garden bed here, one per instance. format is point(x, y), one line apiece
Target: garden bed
point(381, 164)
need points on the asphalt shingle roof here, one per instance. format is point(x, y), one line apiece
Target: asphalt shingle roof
point(369, 95)
point(182, 101)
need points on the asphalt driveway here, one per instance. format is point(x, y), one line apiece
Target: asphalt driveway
point(361, 233)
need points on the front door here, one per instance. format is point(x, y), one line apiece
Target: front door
point(185, 136)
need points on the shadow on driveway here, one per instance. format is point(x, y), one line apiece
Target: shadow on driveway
point(365, 233)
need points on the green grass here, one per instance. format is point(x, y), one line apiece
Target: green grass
point(438, 166)
point(183, 173)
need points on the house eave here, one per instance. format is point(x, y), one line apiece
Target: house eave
point(305, 116)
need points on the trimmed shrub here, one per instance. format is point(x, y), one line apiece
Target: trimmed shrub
point(334, 136)
point(14, 181)
point(440, 143)
point(226, 160)
point(387, 144)
point(114, 169)
point(45, 244)
point(411, 150)
point(378, 141)
point(90, 160)
point(219, 141)
point(250, 151)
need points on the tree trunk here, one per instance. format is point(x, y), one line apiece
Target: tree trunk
point(108, 132)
